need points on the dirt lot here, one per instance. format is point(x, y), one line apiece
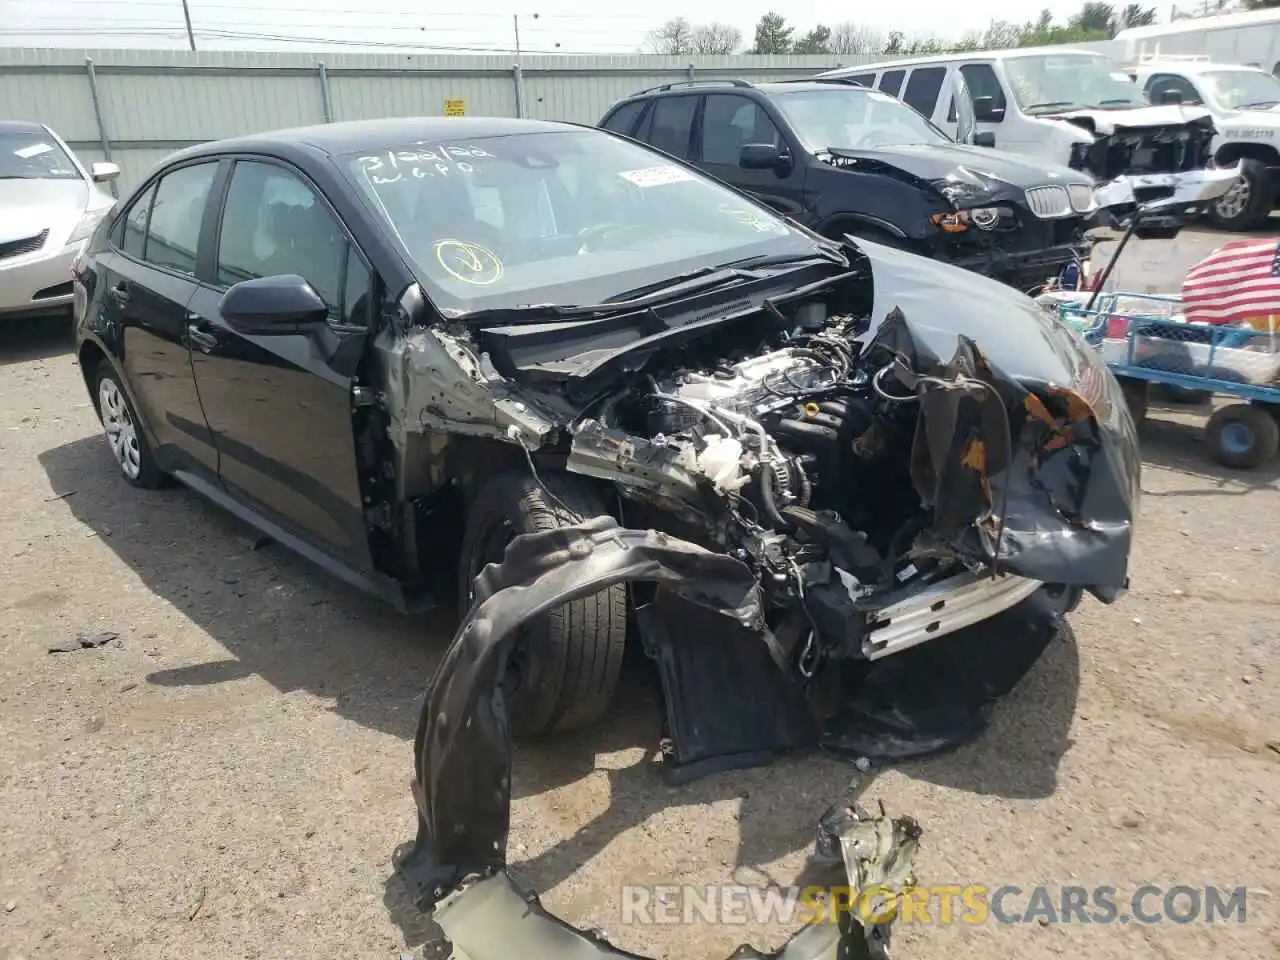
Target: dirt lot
point(228, 779)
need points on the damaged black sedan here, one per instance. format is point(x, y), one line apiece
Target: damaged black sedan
point(398, 346)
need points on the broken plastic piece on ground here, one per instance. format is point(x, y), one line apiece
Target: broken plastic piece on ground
point(491, 918)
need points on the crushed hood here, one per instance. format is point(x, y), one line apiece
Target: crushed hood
point(1107, 122)
point(979, 167)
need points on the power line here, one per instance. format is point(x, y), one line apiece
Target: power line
point(197, 6)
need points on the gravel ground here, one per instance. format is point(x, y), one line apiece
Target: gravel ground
point(229, 777)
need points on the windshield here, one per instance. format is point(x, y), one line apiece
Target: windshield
point(1052, 82)
point(34, 156)
point(854, 119)
point(1235, 89)
point(561, 218)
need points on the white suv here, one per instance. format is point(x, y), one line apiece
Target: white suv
point(1245, 103)
point(49, 205)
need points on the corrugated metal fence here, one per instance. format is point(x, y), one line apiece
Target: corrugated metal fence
point(134, 107)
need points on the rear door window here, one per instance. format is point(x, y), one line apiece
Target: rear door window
point(671, 124)
point(923, 88)
point(891, 82)
point(176, 214)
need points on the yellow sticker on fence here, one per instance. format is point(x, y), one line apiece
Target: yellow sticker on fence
point(455, 108)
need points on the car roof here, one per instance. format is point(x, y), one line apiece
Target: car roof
point(353, 135)
point(21, 126)
point(975, 56)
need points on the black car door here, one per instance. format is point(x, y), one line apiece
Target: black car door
point(280, 404)
point(729, 121)
point(149, 278)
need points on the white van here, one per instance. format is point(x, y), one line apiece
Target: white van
point(1251, 38)
point(1061, 104)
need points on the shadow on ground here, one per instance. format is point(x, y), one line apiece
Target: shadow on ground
point(299, 629)
point(35, 338)
point(1172, 437)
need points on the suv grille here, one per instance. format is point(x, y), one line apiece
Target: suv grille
point(16, 248)
point(1049, 201)
point(1081, 196)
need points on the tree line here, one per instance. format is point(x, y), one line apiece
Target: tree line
point(774, 34)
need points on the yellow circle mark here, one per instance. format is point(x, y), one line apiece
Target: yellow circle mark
point(469, 262)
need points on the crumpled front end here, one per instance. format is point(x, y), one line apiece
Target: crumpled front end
point(1143, 143)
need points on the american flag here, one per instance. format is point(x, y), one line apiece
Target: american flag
point(1239, 283)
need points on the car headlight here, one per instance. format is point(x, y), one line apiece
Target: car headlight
point(984, 218)
point(88, 222)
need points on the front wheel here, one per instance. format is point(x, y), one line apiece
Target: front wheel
point(1248, 203)
point(564, 667)
point(124, 434)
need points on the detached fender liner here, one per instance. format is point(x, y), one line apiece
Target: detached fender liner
point(463, 745)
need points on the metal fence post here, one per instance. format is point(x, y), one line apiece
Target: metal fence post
point(97, 113)
point(517, 78)
point(325, 100)
point(692, 73)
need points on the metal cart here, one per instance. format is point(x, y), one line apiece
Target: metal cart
point(1143, 342)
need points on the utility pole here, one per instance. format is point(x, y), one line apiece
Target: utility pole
point(515, 20)
point(186, 15)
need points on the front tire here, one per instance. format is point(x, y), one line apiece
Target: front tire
point(125, 438)
point(1247, 204)
point(565, 666)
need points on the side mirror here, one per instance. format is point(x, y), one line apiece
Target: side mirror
point(270, 306)
point(104, 172)
point(764, 156)
point(984, 139)
point(1170, 96)
point(986, 111)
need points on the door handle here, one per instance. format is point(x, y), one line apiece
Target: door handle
point(203, 339)
point(120, 292)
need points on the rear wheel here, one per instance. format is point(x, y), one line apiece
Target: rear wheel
point(1242, 436)
point(564, 667)
point(1248, 203)
point(125, 438)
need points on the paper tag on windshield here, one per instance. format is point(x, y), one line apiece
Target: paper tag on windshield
point(26, 153)
point(656, 176)
point(877, 95)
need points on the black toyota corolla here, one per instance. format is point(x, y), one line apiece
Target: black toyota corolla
point(398, 345)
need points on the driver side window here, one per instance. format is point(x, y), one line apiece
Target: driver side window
point(729, 121)
point(273, 223)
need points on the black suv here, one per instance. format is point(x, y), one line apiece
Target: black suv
point(840, 158)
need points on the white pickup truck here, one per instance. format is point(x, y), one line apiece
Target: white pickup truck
point(1245, 104)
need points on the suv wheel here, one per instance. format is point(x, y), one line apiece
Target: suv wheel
point(124, 434)
point(1248, 203)
point(564, 668)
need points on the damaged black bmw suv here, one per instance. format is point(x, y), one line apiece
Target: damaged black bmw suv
point(840, 158)
point(407, 348)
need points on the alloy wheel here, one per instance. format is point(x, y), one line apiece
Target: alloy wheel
point(1235, 200)
point(122, 432)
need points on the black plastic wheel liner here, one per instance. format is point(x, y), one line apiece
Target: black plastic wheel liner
point(463, 745)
